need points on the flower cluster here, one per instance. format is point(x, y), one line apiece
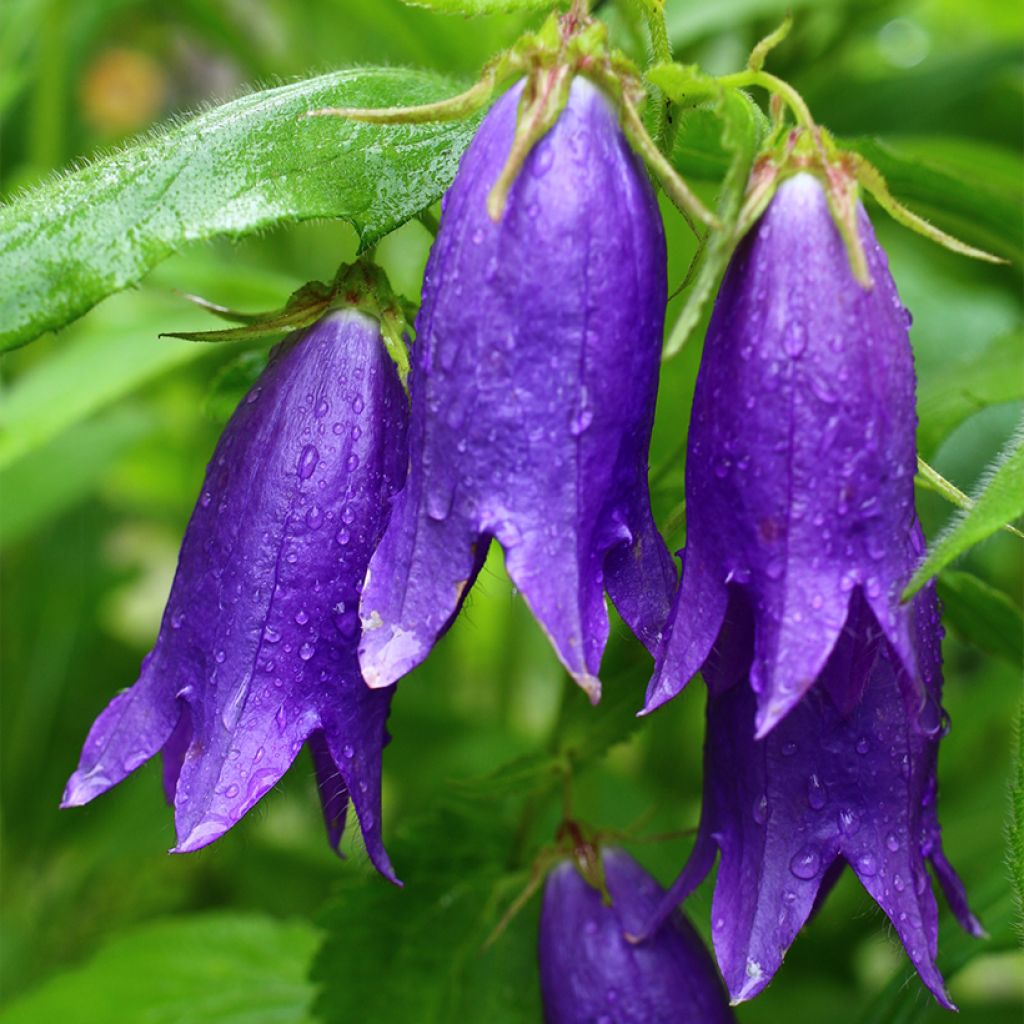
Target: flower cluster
point(325, 558)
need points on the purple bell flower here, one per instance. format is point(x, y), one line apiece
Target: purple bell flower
point(533, 389)
point(801, 462)
point(590, 972)
point(256, 653)
point(848, 778)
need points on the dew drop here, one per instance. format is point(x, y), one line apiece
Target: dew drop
point(892, 842)
point(306, 651)
point(301, 618)
point(348, 751)
point(816, 795)
point(866, 864)
point(806, 864)
point(307, 461)
point(761, 809)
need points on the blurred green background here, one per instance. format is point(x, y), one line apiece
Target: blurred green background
point(120, 427)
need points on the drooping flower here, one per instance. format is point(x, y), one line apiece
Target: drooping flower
point(590, 971)
point(801, 457)
point(533, 391)
point(256, 653)
point(848, 778)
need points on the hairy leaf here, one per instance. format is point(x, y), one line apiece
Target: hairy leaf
point(206, 969)
point(1015, 822)
point(240, 168)
point(999, 501)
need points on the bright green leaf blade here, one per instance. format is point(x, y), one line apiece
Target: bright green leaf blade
point(983, 615)
point(949, 396)
point(1000, 500)
point(210, 969)
point(242, 167)
point(474, 7)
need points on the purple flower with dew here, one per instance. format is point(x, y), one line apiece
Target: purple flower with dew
point(590, 971)
point(848, 778)
point(256, 653)
point(533, 388)
point(801, 459)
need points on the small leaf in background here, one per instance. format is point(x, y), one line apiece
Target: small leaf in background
point(982, 615)
point(949, 396)
point(218, 968)
point(237, 169)
point(397, 956)
point(1000, 500)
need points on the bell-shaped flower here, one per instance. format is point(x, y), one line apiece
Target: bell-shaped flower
point(590, 971)
point(847, 778)
point(533, 386)
point(801, 457)
point(256, 653)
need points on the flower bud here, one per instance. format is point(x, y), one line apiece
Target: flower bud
point(257, 648)
point(533, 388)
point(590, 972)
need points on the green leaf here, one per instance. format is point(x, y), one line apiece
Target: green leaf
point(220, 968)
point(972, 197)
point(475, 7)
point(956, 949)
point(1015, 822)
point(240, 168)
point(741, 134)
point(73, 463)
point(983, 615)
point(427, 939)
point(119, 352)
point(1000, 500)
point(950, 395)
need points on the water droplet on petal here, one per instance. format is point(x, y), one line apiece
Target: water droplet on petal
point(806, 864)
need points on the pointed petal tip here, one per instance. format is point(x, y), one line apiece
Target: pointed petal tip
point(83, 787)
point(383, 662)
point(204, 833)
point(590, 684)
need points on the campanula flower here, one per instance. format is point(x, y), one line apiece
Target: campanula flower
point(848, 778)
point(590, 971)
point(801, 457)
point(256, 653)
point(533, 388)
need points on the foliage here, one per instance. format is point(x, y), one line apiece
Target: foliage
point(105, 429)
point(226, 968)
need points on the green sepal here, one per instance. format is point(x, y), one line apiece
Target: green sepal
point(361, 285)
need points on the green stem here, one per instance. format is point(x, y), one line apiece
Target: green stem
point(776, 86)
